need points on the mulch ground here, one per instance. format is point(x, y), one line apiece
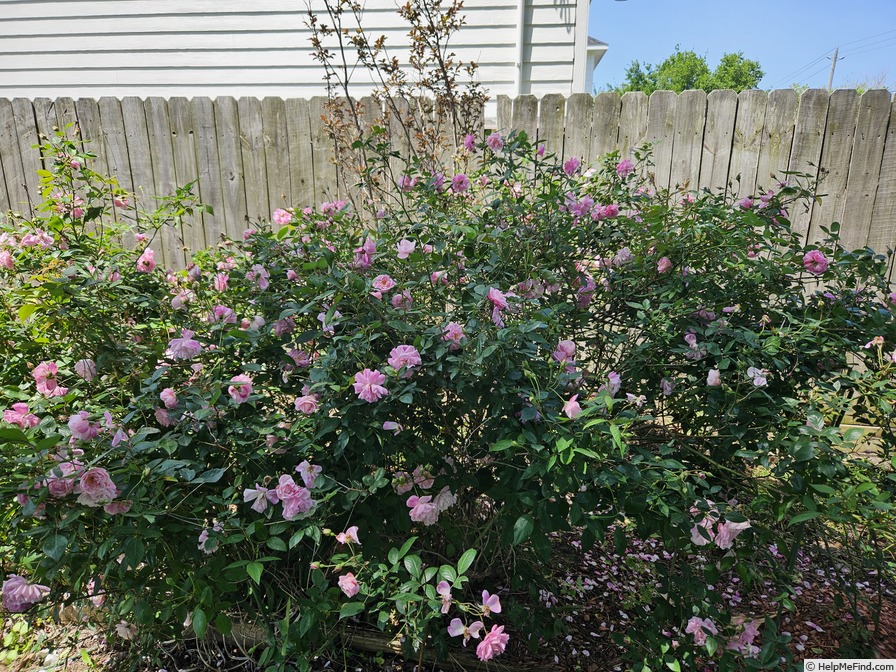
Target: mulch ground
point(599, 592)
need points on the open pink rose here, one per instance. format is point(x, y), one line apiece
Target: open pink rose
point(493, 644)
point(96, 488)
point(369, 385)
point(19, 595)
point(815, 262)
point(349, 585)
point(241, 388)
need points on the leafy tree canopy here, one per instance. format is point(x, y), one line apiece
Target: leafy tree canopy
point(685, 70)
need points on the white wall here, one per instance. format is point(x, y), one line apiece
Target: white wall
point(92, 48)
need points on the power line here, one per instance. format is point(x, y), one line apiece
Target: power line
point(870, 37)
point(802, 69)
point(863, 50)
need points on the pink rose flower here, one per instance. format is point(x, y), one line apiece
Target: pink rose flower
point(163, 418)
point(382, 283)
point(95, 487)
point(460, 183)
point(7, 261)
point(19, 415)
point(296, 499)
point(624, 167)
point(495, 142)
point(369, 385)
point(393, 427)
point(19, 595)
point(497, 297)
point(402, 301)
point(61, 479)
point(423, 510)
point(282, 217)
point(454, 334)
point(491, 604)
point(700, 628)
point(260, 496)
point(667, 386)
point(565, 352)
point(146, 262)
point(221, 280)
point(125, 630)
point(241, 389)
point(204, 539)
point(168, 397)
point(572, 408)
point(727, 532)
point(44, 375)
point(184, 347)
point(349, 584)
point(404, 356)
point(259, 274)
point(815, 262)
point(572, 165)
point(443, 589)
point(309, 472)
point(115, 508)
point(493, 644)
point(81, 427)
point(349, 536)
point(445, 499)
point(283, 327)
point(307, 404)
point(759, 376)
point(405, 248)
point(457, 628)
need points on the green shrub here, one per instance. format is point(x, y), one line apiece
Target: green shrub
point(337, 419)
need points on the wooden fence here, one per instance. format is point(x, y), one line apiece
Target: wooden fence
point(250, 156)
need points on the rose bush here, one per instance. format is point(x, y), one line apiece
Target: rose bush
point(342, 419)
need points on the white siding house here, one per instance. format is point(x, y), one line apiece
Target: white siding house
point(257, 48)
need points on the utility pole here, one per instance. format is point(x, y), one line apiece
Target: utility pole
point(833, 65)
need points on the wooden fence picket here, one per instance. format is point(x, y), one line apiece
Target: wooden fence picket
point(605, 125)
point(250, 156)
point(864, 168)
point(882, 234)
point(751, 113)
point(718, 137)
point(839, 133)
point(687, 147)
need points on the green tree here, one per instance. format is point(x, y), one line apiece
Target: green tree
point(685, 70)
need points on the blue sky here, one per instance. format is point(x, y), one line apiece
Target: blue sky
point(791, 39)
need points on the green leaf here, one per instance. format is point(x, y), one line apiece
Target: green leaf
point(224, 624)
point(413, 564)
point(254, 570)
point(55, 546)
point(27, 311)
point(522, 529)
point(803, 517)
point(14, 435)
point(210, 476)
point(465, 561)
point(711, 645)
point(350, 609)
point(276, 544)
point(673, 664)
point(200, 622)
point(405, 547)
